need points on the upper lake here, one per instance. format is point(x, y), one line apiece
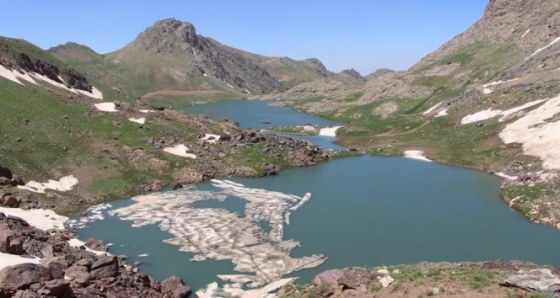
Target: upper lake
point(363, 211)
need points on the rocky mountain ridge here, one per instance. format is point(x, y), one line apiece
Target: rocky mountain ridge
point(525, 24)
point(175, 57)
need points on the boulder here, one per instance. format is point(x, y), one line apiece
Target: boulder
point(29, 201)
point(78, 274)
point(17, 180)
point(20, 276)
point(5, 172)
point(536, 279)
point(56, 265)
point(10, 201)
point(189, 176)
point(16, 247)
point(104, 267)
point(356, 276)
point(348, 278)
point(5, 235)
point(328, 277)
point(96, 245)
point(17, 224)
point(175, 287)
point(388, 280)
point(25, 294)
point(56, 287)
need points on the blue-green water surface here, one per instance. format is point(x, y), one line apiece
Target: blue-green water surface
point(364, 211)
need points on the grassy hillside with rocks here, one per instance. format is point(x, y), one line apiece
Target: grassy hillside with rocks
point(51, 131)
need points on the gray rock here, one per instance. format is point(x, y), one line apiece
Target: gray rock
point(11, 201)
point(328, 277)
point(96, 245)
point(20, 276)
point(5, 235)
point(78, 274)
point(537, 279)
point(56, 287)
point(5, 172)
point(104, 267)
point(175, 287)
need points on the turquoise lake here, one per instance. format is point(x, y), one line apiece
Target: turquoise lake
point(364, 211)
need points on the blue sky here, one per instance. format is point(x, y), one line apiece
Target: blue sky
point(360, 34)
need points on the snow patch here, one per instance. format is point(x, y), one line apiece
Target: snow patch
point(544, 48)
point(442, 113)
point(180, 150)
point(329, 131)
point(431, 109)
point(487, 90)
point(138, 120)
point(106, 107)
point(65, 183)
point(526, 32)
point(538, 133)
point(75, 242)
point(95, 93)
point(505, 176)
point(210, 138)
point(40, 218)
point(490, 113)
point(479, 116)
point(416, 154)
point(14, 76)
point(7, 260)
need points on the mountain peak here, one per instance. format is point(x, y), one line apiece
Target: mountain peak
point(166, 34)
point(184, 30)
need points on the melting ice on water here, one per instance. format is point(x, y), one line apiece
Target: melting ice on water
point(214, 233)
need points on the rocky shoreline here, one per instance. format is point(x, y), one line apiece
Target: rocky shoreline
point(48, 263)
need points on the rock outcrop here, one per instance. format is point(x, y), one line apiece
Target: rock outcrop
point(27, 62)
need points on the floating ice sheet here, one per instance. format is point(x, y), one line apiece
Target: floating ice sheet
point(263, 256)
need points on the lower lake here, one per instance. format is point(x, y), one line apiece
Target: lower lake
point(363, 211)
